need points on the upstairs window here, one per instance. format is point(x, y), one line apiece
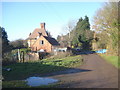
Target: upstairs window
point(41, 42)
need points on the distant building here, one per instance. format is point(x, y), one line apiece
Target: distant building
point(39, 41)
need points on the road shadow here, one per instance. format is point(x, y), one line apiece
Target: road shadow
point(67, 71)
point(85, 52)
point(81, 52)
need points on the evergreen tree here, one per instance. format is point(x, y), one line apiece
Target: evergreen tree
point(86, 25)
point(83, 33)
point(5, 41)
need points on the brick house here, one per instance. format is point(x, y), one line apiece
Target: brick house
point(39, 40)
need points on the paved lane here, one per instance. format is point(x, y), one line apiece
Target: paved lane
point(94, 73)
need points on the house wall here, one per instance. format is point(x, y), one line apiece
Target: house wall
point(31, 42)
point(46, 46)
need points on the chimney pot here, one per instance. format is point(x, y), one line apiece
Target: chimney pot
point(42, 25)
point(29, 34)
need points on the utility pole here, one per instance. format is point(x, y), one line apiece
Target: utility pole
point(94, 41)
point(69, 36)
point(69, 29)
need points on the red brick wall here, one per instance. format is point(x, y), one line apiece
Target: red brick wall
point(46, 46)
point(31, 42)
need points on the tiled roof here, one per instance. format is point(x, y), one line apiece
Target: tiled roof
point(36, 32)
point(51, 41)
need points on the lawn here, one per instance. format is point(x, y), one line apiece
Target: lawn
point(111, 59)
point(21, 71)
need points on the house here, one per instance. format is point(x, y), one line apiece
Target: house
point(39, 40)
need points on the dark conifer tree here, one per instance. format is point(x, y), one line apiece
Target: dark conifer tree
point(83, 33)
point(5, 41)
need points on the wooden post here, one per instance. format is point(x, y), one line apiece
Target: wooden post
point(19, 55)
point(22, 56)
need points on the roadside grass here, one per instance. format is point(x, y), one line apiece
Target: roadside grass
point(23, 84)
point(111, 59)
point(21, 71)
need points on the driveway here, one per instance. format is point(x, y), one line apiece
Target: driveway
point(94, 73)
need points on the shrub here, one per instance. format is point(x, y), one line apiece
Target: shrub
point(8, 59)
point(61, 55)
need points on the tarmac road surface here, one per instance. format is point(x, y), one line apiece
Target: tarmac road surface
point(94, 73)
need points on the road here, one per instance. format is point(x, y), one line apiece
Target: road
point(94, 73)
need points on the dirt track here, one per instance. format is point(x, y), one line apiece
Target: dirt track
point(94, 73)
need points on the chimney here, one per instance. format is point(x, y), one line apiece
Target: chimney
point(42, 26)
point(29, 34)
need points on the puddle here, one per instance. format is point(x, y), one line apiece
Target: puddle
point(38, 81)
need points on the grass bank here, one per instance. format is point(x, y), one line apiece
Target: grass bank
point(21, 71)
point(111, 59)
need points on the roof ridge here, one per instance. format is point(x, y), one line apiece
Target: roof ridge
point(51, 40)
point(35, 33)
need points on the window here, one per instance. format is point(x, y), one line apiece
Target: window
point(41, 42)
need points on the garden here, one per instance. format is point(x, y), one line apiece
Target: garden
point(15, 77)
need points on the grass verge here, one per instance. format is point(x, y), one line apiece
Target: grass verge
point(21, 71)
point(23, 84)
point(111, 59)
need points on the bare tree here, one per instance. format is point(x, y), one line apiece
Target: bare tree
point(69, 27)
point(106, 21)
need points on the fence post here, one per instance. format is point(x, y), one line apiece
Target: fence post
point(19, 55)
point(22, 56)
